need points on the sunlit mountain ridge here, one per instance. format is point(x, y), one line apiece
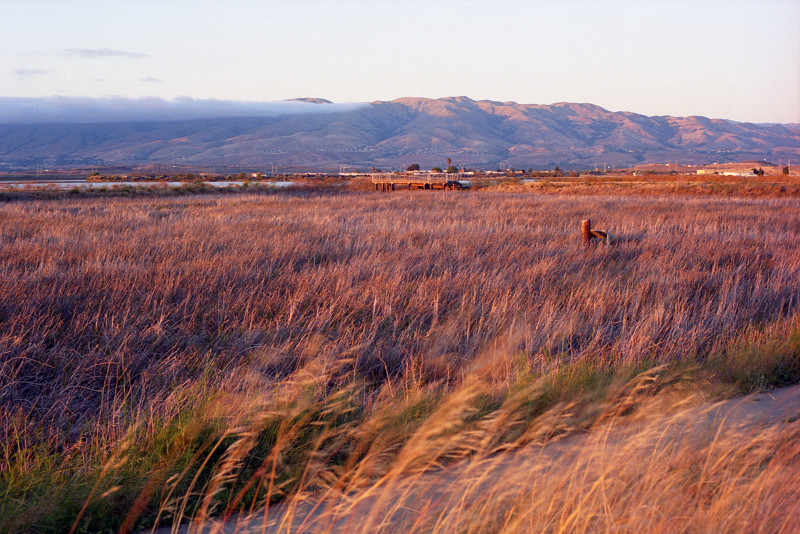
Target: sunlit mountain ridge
point(312, 134)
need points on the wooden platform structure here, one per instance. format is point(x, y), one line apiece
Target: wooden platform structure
point(389, 181)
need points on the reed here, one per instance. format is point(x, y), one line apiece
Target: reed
point(245, 347)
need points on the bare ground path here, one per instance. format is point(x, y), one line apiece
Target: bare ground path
point(579, 466)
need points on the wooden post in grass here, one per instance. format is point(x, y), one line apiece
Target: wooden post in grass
point(587, 234)
point(586, 231)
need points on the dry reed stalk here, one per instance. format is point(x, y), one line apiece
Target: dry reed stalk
point(678, 466)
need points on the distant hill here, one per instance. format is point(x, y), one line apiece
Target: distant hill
point(480, 134)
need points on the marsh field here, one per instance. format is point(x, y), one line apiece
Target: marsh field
point(205, 356)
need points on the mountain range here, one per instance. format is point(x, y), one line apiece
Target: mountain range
point(480, 134)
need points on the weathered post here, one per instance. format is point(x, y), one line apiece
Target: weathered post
point(586, 231)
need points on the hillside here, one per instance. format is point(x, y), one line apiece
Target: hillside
point(481, 134)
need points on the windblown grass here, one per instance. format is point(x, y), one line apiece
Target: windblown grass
point(677, 468)
point(166, 358)
point(776, 186)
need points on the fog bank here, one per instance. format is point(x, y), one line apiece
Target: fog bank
point(67, 109)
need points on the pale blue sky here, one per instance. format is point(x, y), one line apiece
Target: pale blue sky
point(734, 59)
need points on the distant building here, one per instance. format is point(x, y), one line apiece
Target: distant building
point(723, 173)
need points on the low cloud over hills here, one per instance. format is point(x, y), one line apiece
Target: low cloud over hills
point(82, 110)
point(312, 133)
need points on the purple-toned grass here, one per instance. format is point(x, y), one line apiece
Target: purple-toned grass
point(105, 299)
point(115, 311)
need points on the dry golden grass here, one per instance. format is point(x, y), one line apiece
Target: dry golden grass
point(675, 468)
point(775, 186)
point(247, 346)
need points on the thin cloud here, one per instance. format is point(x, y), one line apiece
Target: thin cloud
point(151, 79)
point(65, 109)
point(24, 74)
point(100, 53)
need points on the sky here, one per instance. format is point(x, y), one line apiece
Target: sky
point(731, 59)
